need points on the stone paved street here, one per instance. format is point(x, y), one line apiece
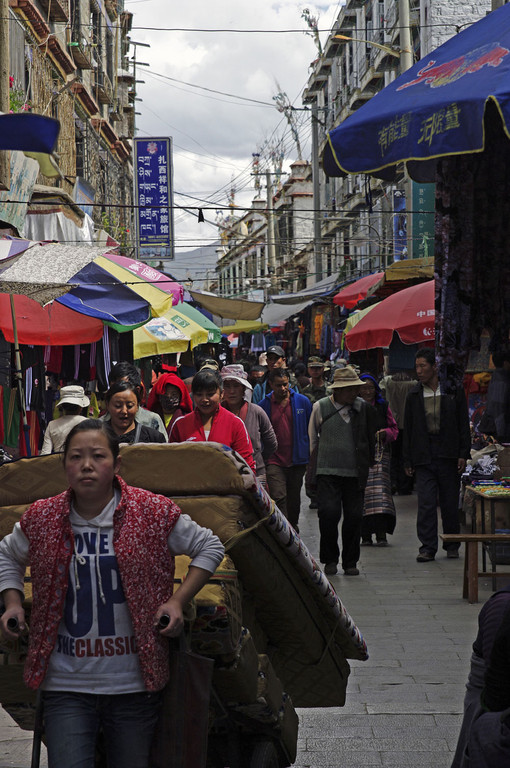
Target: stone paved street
point(404, 704)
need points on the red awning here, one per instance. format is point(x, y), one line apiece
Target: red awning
point(352, 294)
point(410, 313)
point(52, 324)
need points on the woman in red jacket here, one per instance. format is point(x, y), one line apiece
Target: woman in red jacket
point(209, 421)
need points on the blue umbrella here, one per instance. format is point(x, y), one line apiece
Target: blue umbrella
point(99, 294)
point(434, 109)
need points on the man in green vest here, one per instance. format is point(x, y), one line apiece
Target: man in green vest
point(343, 426)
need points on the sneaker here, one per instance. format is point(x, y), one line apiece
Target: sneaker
point(425, 557)
point(382, 542)
point(351, 571)
point(452, 554)
point(366, 542)
point(330, 569)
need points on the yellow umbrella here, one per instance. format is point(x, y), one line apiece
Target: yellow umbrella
point(356, 316)
point(143, 280)
point(354, 319)
point(173, 332)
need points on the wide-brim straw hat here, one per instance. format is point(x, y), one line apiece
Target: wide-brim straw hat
point(73, 395)
point(345, 377)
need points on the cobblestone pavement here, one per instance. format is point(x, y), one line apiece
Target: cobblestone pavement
point(404, 704)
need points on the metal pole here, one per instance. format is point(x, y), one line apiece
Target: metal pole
point(317, 242)
point(406, 62)
point(271, 253)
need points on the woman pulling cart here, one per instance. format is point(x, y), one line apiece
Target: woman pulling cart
point(102, 564)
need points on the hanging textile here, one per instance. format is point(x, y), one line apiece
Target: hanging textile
point(53, 359)
point(471, 243)
point(317, 329)
point(34, 434)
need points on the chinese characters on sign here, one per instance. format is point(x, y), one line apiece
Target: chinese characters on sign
point(439, 122)
point(422, 221)
point(397, 129)
point(153, 196)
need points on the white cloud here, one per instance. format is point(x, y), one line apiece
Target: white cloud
point(214, 136)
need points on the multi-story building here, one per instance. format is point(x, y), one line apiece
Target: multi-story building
point(69, 60)
point(267, 250)
point(364, 225)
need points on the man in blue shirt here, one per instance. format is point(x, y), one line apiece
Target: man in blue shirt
point(289, 413)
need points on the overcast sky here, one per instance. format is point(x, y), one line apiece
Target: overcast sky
point(215, 135)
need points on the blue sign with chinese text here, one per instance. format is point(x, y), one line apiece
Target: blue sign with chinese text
point(153, 195)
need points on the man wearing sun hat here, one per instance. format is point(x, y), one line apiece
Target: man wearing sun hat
point(236, 389)
point(71, 404)
point(343, 428)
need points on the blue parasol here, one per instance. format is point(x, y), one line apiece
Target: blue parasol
point(99, 294)
point(434, 109)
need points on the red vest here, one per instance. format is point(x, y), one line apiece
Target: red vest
point(142, 523)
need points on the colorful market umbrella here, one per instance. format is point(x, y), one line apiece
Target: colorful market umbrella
point(410, 313)
point(41, 272)
point(173, 332)
point(94, 292)
point(361, 289)
point(156, 288)
point(434, 109)
point(98, 294)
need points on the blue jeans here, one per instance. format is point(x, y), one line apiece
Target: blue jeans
point(72, 721)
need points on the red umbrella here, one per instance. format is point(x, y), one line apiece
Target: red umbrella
point(352, 294)
point(52, 324)
point(410, 313)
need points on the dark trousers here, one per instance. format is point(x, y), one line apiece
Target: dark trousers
point(437, 481)
point(284, 485)
point(400, 482)
point(336, 496)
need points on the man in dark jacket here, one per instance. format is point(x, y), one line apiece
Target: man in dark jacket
point(344, 428)
point(437, 442)
point(289, 414)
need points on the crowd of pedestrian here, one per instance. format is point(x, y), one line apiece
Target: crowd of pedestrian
point(354, 439)
point(359, 440)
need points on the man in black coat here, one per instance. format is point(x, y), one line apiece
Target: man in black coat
point(437, 442)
